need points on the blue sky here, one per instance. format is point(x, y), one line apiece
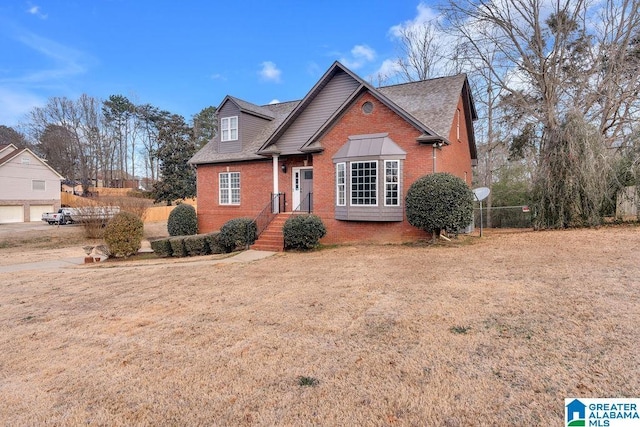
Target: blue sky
point(183, 56)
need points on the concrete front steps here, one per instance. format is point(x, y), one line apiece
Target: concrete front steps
point(272, 238)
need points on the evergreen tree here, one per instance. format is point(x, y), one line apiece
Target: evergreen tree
point(205, 126)
point(177, 146)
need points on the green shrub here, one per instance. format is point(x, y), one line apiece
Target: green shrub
point(440, 201)
point(196, 245)
point(237, 233)
point(177, 246)
point(123, 234)
point(182, 221)
point(161, 247)
point(213, 243)
point(303, 231)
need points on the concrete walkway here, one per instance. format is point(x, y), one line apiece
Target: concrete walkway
point(52, 265)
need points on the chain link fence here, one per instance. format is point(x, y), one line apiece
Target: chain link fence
point(504, 217)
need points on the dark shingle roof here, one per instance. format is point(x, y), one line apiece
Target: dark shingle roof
point(209, 153)
point(436, 104)
point(429, 104)
point(253, 108)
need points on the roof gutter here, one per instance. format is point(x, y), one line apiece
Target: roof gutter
point(432, 139)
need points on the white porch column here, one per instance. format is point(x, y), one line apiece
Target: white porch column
point(276, 186)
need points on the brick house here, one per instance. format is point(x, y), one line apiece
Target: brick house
point(347, 151)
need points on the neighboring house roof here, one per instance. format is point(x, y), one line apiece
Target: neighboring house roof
point(429, 105)
point(12, 152)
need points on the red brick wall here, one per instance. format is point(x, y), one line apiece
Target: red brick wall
point(256, 185)
point(419, 162)
point(256, 177)
point(456, 158)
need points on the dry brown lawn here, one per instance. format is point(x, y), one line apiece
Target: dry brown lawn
point(491, 331)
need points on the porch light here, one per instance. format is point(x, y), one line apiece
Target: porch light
point(284, 168)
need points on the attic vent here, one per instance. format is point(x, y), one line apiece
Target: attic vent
point(367, 107)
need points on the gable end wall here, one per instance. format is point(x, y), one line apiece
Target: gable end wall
point(418, 162)
point(332, 96)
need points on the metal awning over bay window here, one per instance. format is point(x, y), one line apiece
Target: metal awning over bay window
point(368, 180)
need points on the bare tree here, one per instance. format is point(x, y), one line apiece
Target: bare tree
point(421, 50)
point(78, 133)
point(570, 67)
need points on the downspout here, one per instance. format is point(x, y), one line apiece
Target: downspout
point(437, 145)
point(276, 186)
point(434, 158)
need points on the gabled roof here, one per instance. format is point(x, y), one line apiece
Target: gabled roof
point(247, 107)
point(438, 104)
point(428, 105)
point(209, 153)
point(14, 152)
point(6, 149)
point(336, 67)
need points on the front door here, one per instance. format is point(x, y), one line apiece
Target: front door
point(303, 189)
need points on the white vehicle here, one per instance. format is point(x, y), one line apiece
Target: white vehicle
point(62, 217)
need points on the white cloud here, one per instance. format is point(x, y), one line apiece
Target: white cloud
point(218, 76)
point(35, 10)
point(424, 16)
point(387, 71)
point(274, 101)
point(270, 72)
point(364, 52)
point(423, 26)
point(360, 55)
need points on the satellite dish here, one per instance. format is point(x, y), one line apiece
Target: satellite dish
point(481, 193)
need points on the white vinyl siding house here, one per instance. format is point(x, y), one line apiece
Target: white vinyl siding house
point(28, 185)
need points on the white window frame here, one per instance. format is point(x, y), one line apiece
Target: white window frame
point(458, 124)
point(228, 194)
point(39, 181)
point(388, 183)
point(341, 184)
point(374, 182)
point(229, 132)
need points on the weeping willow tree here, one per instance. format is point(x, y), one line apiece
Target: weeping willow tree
point(571, 186)
point(570, 75)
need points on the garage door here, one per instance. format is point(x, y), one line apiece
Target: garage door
point(11, 214)
point(38, 210)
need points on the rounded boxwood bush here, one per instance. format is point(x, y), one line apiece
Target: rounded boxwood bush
point(123, 234)
point(440, 201)
point(237, 233)
point(303, 231)
point(182, 221)
point(161, 247)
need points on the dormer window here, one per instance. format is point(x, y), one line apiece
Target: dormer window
point(229, 128)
